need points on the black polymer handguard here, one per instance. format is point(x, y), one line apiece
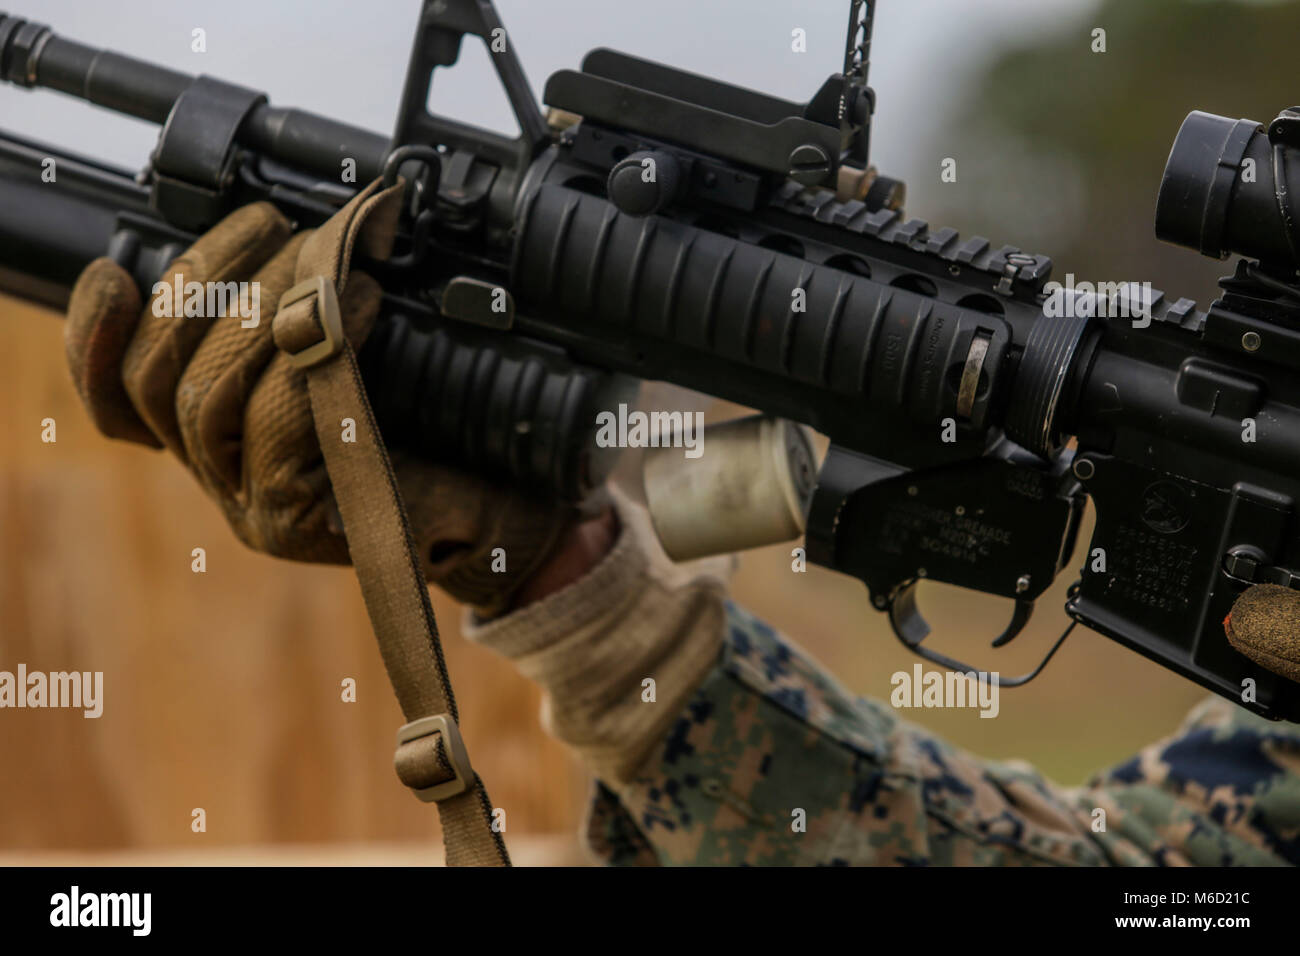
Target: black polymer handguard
point(764, 262)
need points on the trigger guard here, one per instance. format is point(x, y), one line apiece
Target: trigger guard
point(905, 617)
point(911, 628)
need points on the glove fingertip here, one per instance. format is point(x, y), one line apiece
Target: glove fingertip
point(102, 316)
point(237, 246)
point(1264, 625)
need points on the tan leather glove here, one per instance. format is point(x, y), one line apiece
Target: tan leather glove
point(234, 410)
point(1265, 626)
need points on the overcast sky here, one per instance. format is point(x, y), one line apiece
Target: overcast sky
point(347, 59)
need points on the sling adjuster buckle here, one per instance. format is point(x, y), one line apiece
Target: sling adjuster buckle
point(417, 766)
point(328, 320)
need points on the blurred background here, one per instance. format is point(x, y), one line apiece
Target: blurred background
point(223, 689)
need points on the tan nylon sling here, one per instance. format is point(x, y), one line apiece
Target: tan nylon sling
point(431, 757)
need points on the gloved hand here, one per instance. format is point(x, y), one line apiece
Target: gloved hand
point(235, 411)
point(1265, 626)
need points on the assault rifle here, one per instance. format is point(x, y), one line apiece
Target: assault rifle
point(660, 225)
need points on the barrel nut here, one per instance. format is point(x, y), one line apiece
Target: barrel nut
point(21, 45)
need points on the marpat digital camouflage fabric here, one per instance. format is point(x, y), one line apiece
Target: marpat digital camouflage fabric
point(769, 733)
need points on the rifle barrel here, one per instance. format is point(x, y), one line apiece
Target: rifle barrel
point(31, 56)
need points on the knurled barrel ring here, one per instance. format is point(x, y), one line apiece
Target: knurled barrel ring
point(1044, 369)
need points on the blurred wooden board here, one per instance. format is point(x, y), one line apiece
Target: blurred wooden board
point(556, 850)
point(222, 689)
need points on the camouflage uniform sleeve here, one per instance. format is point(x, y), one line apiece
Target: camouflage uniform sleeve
point(1222, 791)
point(770, 762)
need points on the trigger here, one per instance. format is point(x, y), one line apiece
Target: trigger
point(1019, 618)
point(911, 628)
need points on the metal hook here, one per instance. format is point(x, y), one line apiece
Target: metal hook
point(422, 191)
point(419, 242)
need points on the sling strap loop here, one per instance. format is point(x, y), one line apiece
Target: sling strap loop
point(431, 756)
